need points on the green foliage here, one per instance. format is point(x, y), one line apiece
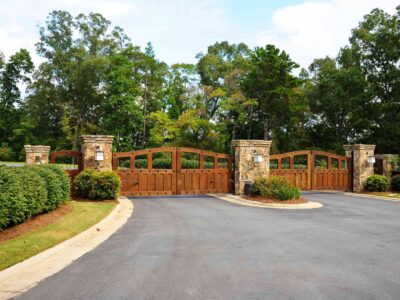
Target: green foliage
point(28, 191)
point(97, 185)
point(377, 183)
point(57, 188)
point(63, 179)
point(83, 183)
point(395, 183)
point(274, 187)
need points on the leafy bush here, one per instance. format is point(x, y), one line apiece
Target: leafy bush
point(33, 189)
point(105, 185)
point(377, 183)
point(97, 185)
point(64, 180)
point(395, 183)
point(275, 187)
point(28, 191)
point(83, 183)
point(56, 189)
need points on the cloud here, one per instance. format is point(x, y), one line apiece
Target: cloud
point(318, 28)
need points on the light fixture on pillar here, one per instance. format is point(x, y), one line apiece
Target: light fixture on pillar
point(99, 155)
point(371, 160)
point(37, 160)
point(258, 158)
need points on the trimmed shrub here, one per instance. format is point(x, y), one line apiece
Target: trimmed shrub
point(64, 180)
point(275, 187)
point(395, 183)
point(22, 195)
point(56, 189)
point(34, 190)
point(377, 183)
point(105, 185)
point(83, 183)
point(97, 185)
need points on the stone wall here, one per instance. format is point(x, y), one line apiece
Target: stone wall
point(93, 143)
point(246, 169)
point(36, 154)
point(361, 167)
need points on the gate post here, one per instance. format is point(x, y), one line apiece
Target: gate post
point(36, 154)
point(251, 161)
point(361, 167)
point(97, 152)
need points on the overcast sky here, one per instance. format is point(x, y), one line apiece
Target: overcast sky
point(179, 29)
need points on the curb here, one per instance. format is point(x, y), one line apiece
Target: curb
point(362, 195)
point(237, 200)
point(23, 276)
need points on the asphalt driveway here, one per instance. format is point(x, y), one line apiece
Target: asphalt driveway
point(204, 248)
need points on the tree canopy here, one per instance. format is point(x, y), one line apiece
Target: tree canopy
point(94, 80)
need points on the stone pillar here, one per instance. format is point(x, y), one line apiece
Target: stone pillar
point(361, 168)
point(37, 154)
point(93, 143)
point(246, 169)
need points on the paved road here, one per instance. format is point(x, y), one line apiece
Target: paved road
point(203, 248)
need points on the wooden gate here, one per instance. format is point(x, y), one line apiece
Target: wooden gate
point(313, 170)
point(173, 171)
point(70, 160)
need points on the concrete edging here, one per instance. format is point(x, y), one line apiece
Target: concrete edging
point(362, 195)
point(23, 276)
point(240, 201)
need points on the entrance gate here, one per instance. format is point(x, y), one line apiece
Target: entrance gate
point(70, 160)
point(173, 171)
point(313, 170)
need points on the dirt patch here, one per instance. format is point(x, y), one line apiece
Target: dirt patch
point(35, 223)
point(261, 199)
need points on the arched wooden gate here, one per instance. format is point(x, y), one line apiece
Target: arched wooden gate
point(173, 171)
point(73, 165)
point(313, 170)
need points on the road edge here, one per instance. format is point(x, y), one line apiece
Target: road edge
point(23, 276)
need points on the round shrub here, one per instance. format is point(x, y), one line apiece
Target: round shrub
point(64, 180)
point(83, 183)
point(377, 183)
point(275, 187)
point(105, 185)
point(55, 194)
point(395, 183)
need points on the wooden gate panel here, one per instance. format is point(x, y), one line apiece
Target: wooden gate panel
point(332, 176)
point(150, 182)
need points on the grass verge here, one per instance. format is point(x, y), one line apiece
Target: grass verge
point(82, 216)
point(395, 195)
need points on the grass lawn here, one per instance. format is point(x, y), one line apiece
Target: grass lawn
point(12, 162)
point(82, 216)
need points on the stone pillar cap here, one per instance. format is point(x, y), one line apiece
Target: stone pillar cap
point(36, 148)
point(257, 143)
point(359, 147)
point(97, 138)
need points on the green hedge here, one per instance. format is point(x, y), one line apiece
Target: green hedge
point(275, 187)
point(28, 191)
point(97, 185)
point(377, 183)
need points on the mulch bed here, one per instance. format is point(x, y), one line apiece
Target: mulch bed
point(36, 222)
point(261, 199)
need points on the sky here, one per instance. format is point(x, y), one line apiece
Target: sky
point(180, 29)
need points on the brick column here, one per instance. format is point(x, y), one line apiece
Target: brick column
point(361, 168)
point(37, 154)
point(93, 143)
point(246, 169)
